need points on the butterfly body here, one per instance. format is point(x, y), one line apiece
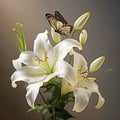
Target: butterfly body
point(58, 23)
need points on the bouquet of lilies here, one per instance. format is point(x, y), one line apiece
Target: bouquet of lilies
point(58, 69)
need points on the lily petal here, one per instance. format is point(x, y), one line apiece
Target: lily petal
point(28, 74)
point(17, 64)
point(93, 88)
point(66, 71)
point(81, 99)
point(29, 58)
point(62, 49)
point(80, 64)
point(66, 87)
point(42, 45)
point(33, 89)
point(32, 92)
point(101, 100)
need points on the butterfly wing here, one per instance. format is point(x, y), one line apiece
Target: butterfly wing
point(52, 20)
point(59, 17)
point(66, 29)
point(58, 23)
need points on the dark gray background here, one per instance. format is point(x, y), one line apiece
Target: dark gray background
point(104, 39)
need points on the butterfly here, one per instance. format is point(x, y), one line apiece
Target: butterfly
point(58, 23)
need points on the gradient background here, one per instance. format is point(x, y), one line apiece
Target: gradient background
point(103, 30)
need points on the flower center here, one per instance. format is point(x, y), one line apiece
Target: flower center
point(40, 60)
point(82, 73)
point(43, 63)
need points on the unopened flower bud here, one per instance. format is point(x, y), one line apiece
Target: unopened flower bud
point(83, 37)
point(80, 22)
point(14, 30)
point(55, 36)
point(96, 64)
point(21, 25)
point(17, 23)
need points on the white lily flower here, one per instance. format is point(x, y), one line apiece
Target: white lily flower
point(43, 63)
point(85, 86)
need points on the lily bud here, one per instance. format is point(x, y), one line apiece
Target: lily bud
point(96, 64)
point(55, 36)
point(80, 22)
point(83, 37)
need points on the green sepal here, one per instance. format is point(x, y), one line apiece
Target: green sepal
point(38, 108)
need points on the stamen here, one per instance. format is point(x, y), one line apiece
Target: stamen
point(39, 60)
point(82, 73)
point(20, 36)
point(46, 57)
point(85, 87)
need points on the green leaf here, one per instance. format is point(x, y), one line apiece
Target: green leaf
point(56, 95)
point(63, 115)
point(44, 113)
point(59, 118)
point(69, 97)
point(54, 87)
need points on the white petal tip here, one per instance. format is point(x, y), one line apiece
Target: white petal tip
point(46, 31)
point(100, 104)
point(80, 22)
point(77, 111)
point(87, 14)
point(14, 85)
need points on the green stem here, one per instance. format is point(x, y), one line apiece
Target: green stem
point(72, 33)
point(53, 113)
point(103, 73)
point(70, 59)
point(42, 97)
